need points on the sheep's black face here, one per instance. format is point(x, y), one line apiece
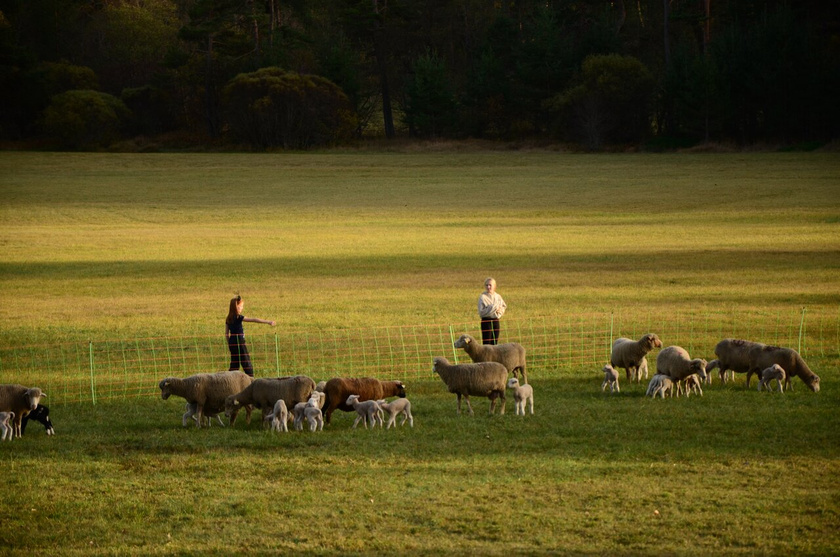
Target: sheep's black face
point(401, 390)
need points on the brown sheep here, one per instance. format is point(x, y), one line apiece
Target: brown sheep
point(762, 357)
point(20, 400)
point(734, 354)
point(629, 354)
point(338, 389)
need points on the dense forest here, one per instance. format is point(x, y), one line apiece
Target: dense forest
point(294, 74)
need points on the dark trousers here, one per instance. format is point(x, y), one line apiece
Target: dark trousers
point(489, 331)
point(239, 355)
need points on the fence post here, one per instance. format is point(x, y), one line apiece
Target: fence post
point(276, 353)
point(610, 340)
point(452, 343)
point(801, 328)
point(92, 385)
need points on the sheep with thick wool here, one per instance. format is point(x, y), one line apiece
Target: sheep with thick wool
point(486, 379)
point(789, 359)
point(510, 354)
point(368, 411)
point(338, 389)
point(395, 408)
point(264, 393)
point(733, 354)
point(675, 362)
point(522, 395)
point(773, 372)
point(207, 391)
point(6, 429)
point(630, 354)
point(20, 400)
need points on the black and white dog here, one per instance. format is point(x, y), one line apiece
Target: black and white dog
point(40, 414)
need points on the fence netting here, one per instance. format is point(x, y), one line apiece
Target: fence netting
point(557, 347)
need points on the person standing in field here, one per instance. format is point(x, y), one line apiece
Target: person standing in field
point(235, 335)
point(491, 307)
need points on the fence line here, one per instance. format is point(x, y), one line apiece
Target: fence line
point(557, 346)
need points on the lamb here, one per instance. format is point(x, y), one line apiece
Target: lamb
point(661, 384)
point(393, 409)
point(611, 379)
point(522, 395)
point(314, 416)
point(206, 390)
point(20, 400)
point(264, 393)
point(478, 379)
point(762, 357)
point(279, 417)
point(6, 430)
point(192, 408)
point(689, 384)
point(367, 410)
point(675, 362)
point(629, 354)
point(733, 354)
point(298, 412)
point(338, 389)
point(510, 354)
point(40, 415)
point(773, 372)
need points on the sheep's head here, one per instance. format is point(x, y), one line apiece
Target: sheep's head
point(814, 383)
point(400, 389)
point(462, 341)
point(437, 362)
point(352, 400)
point(164, 388)
point(698, 366)
point(33, 397)
point(512, 383)
point(651, 341)
point(232, 406)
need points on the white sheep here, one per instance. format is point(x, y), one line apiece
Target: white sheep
point(5, 427)
point(265, 392)
point(206, 390)
point(661, 384)
point(367, 410)
point(510, 354)
point(393, 409)
point(733, 354)
point(776, 372)
point(479, 379)
point(675, 362)
point(278, 418)
point(315, 417)
point(629, 354)
point(20, 400)
point(611, 379)
point(522, 395)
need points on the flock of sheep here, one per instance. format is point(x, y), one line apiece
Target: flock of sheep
point(299, 399)
point(677, 371)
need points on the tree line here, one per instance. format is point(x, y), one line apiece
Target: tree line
point(83, 74)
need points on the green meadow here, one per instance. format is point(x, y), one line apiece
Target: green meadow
point(114, 246)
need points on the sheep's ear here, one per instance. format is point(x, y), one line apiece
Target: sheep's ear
point(43, 395)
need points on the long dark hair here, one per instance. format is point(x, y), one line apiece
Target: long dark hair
point(232, 313)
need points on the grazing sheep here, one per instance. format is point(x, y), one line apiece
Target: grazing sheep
point(790, 360)
point(338, 389)
point(689, 384)
point(6, 430)
point(773, 372)
point(661, 384)
point(393, 409)
point(206, 390)
point(192, 408)
point(629, 354)
point(279, 417)
point(368, 411)
point(20, 400)
point(733, 354)
point(264, 393)
point(40, 415)
point(511, 354)
point(478, 379)
point(522, 395)
point(611, 379)
point(675, 362)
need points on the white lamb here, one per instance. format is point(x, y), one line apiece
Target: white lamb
point(5, 426)
point(522, 395)
point(313, 414)
point(661, 384)
point(611, 379)
point(776, 372)
point(367, 410)
point(279, 416)
point(689, 384)
point(393, 409)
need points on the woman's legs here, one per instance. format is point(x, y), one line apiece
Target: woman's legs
point(239, 355)
point(489, 331)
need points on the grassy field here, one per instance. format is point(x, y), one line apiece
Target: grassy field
point(103, 246)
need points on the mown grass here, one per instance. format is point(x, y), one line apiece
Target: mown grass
point(100, 246)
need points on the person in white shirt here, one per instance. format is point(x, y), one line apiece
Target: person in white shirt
point(491, 307)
